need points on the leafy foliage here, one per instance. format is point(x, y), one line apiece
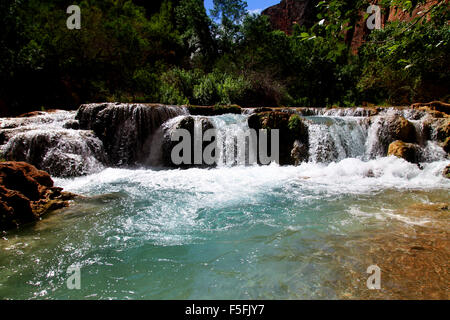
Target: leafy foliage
point(171, 51)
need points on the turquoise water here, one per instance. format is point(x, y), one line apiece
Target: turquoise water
point(226, 233)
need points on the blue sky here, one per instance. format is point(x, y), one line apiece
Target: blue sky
point(253, 5)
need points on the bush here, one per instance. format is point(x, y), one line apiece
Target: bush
point(402, 64)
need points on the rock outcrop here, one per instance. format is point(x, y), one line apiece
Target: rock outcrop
point(52, 142)
point(196, 128)
point(26, 194)
point(294, 140)
point(359, 33)
point(126, 129)
point(287, 13)
point(408, 151)
point(434, 105)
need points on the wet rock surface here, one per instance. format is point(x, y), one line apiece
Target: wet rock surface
point(51, 142)
point(196, 127)
point(126, 129)
point(293, 134)
point(408, 151)
point(26, 194)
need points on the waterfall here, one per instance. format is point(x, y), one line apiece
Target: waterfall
point(132, 135)
point(126, 130)
point(232, 147)
point(230, 130)
point(334, 139)
point(67, 144)
point(337, 134)
point(46, 142)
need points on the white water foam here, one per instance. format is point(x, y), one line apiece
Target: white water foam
point(346, 176)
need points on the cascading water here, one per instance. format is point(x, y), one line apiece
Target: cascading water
point(339, 134)
point(231, 144)
point(46, 142)
point(235, 231)
point(126, 130)
point(334, 139)
point(136, 135)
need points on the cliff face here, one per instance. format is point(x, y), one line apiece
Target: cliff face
point(360, 30)
point(289, 12)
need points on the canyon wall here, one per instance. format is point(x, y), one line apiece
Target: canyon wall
point(287, 13)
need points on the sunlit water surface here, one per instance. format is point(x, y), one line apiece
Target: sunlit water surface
point(231, 233)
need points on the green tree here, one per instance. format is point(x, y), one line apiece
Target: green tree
point(228, 15)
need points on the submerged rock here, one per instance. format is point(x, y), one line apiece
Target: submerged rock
point(294, 143)
point(26, 194)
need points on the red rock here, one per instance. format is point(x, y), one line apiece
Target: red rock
point(284, 15)
point(289, 12)
point(26, 193)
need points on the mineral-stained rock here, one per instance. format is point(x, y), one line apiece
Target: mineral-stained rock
point(434, 105)
point(438, 129)
point(26, 194)
point(294, 142)
point(403, 130)
point(408, 151)
point(390, 129)
point(287, 13)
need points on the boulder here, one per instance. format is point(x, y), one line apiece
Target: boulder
point(188, 123)
point(389, 129)
point(402, 129)
point(408, 151)
point(446, 172)
point(294, 141)
point(125, 129)
point(26, 194)
point(437, 129)
point(72, 124)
